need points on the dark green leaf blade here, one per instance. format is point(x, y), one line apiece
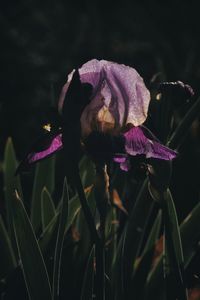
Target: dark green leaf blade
point(143, 265)
point(44, 177)
point(33, 266)
point(80, 225)
point(47, 208)
point(130, 242)
point(7, 258)
point(173, 249)
point(59, 242)
point(87, 171)
point(88, 280)
point(154, 234)
point(190, 233)
point(49, 232)
point(188, 238)
point(11, 182)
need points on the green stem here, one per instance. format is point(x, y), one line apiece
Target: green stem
point(99, 244)
point(101, 197)
point(86, 210)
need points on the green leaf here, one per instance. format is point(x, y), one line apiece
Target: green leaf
point(130, 242)
point(173, 250)
point(140, 275)
point(74, 208)
point(81, 226)
point(155, 279)
point(49, 233)
point(144, 262)
point(33, 266)
point(154, 234)
point(172, 221)
point(44, 177)
point(111, 228)
point(87, 171)
point(11, 183)
point(190, 233)
point(88, 280)
point(59, 242)
point(7, 258)
point(47, 208)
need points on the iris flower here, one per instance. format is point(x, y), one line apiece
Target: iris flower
point(116, 104)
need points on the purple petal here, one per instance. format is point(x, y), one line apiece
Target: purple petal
point(123, 160)
point(125, 166)
point(54, 146)
point(117, 87)
point(137, 143)
point(120, 158)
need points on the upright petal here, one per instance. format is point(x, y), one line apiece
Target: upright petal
point(120, 88)
point(130, 97)
point(117, 87)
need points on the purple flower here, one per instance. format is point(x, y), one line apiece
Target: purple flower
point(119, 99)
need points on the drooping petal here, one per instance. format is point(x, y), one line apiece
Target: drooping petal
point(137, 143)
point(44, 147)
point(54, 146)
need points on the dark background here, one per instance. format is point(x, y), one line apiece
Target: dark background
point(42, 41)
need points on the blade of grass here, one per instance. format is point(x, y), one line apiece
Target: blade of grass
point(33, 266)
point(59, 242)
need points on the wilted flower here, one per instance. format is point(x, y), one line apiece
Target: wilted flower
point(118, 106)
